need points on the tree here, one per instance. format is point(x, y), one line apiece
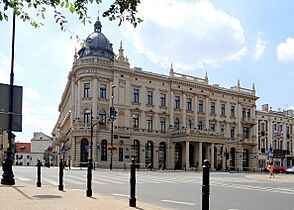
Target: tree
point(121, 10)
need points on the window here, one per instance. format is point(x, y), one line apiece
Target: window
point(222, 128)
point(86, 90)
point(189, 124)
point(103, 150)
point(200, 105)
point(246, 132)
point(149, 123)
point(136, 95)
point(162, 100)
point(232, 132)
point(232, 111)
point(149, 97)
point(177, 102)
point(135, 120)
point(162, 124)
point(243, 113)
point(212, 127)
point(200, 125)
point(223, 109)
point(212, 107)
point(189, 104)
point(87, 116)
point(177, 124)
point(102, 117)
point(248, 113)
point(103, 91)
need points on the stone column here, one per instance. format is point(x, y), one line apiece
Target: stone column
point(200, 156)
point(187, 155)
point(224, 160)
point(79, 99)
point(171, 104)
point(95, 98)
point(184, 108)
point(195, 112)
point(206, 113)
point(72, 102)
point(212, 157)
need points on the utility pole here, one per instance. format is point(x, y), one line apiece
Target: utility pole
point(8, 176)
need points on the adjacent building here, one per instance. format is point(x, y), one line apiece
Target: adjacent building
point(22, 155)
point(275, 135)
point(39, 146)
point(172, 121)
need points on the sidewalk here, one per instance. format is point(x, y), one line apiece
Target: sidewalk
point(286, 178)
point(23, 196)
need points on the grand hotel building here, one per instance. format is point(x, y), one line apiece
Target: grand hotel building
point(170, 121)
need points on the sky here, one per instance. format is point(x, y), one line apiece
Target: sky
point(246, 40)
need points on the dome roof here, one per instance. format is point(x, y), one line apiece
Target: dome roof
point(97, 44)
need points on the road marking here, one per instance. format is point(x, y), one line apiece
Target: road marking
point(117, 194)
point(179, 202)
point(50, 181)
point(21, 178)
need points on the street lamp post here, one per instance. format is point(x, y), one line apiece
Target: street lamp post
point(8, 176)
point(111, 137)
point(90, 164)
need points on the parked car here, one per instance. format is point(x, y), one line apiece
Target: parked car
point(290, 170)
point(277, 169)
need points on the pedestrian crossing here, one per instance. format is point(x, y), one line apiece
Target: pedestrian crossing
point(123, 178)
point(254, 188)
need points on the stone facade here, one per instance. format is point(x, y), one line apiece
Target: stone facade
point(170, 121)
point(39, 144)
point(275, 133)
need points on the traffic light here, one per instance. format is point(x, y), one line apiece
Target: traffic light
point(113, 113)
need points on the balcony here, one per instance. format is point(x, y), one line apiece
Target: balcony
point(280, 153)
point(248, 121)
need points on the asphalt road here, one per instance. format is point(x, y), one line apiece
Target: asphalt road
point(178, 190)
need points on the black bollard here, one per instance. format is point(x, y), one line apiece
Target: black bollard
point(89, 179)
point(133, 184)
point(60, 186)
point(205, 186)
point(39, 164)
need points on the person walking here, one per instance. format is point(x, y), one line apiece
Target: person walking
point(270, 169)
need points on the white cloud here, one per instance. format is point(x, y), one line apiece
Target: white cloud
point(5, 68)
point(31, 93)
point(190, 35)
point(259, 48)
point(285, 50)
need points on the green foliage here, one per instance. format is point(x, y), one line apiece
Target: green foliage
point(122, 10)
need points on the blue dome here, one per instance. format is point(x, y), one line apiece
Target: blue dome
point(97, 44)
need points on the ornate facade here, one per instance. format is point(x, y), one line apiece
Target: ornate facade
point(170, 121)
point(275, 133)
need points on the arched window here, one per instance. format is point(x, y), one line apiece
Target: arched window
point(84, 155)
point(136, 151)
point(87, 116)
point(178, 156)
point(149, 154)
point(232, 160)
point(102, 117)
point(162, 155)
point(104, 150)
point(245, 160)
point(177, 123)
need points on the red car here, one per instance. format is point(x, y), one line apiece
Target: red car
point(278, 169)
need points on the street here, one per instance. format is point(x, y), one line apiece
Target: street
point(179, 190)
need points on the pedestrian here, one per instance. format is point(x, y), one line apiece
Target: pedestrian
point(270, 169)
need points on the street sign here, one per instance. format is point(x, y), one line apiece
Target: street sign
point(16, 107)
